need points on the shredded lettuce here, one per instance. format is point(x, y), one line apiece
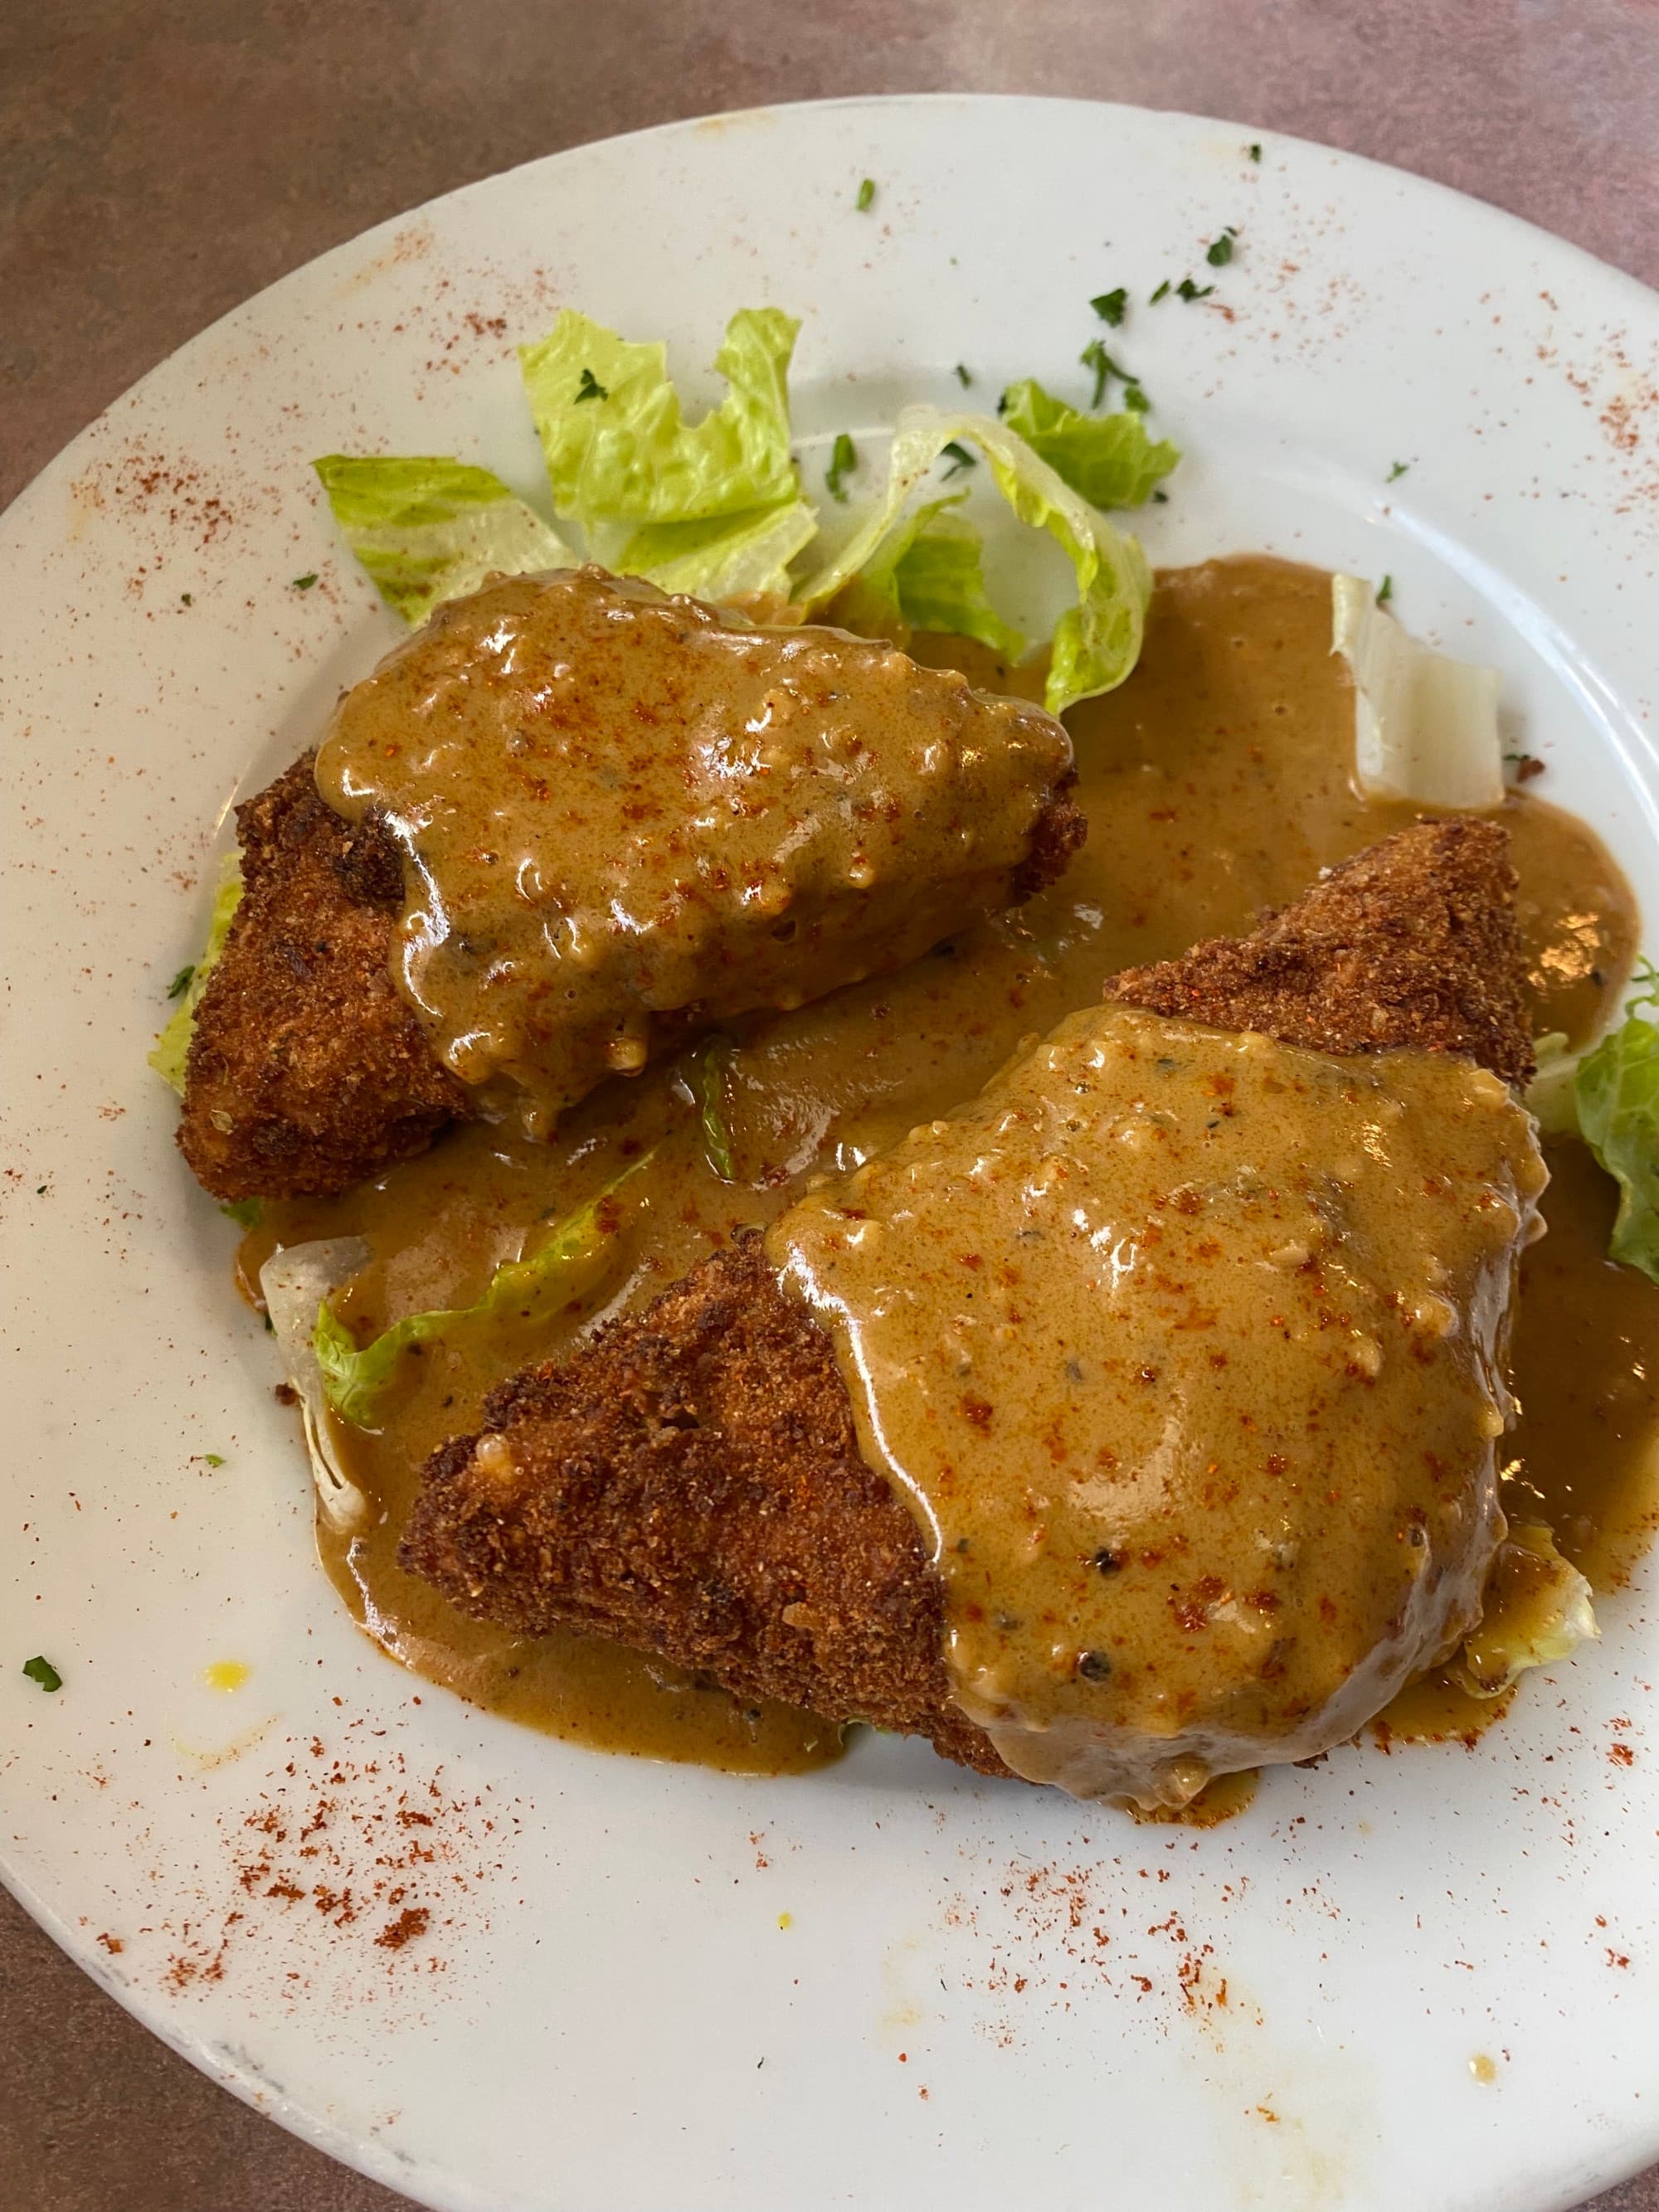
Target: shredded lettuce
point(1097, 641)
point(294, 1282)
point(1538, 1610)
point(172, 1048)
point(1616, 1093)
point(1425, 726)
point(1549, 1096)
point(726, 556)
point(429, 529)
point(1109, 459)
point(928, 576)
point(616, 445)
point(354, 1379)
point(709, 1090)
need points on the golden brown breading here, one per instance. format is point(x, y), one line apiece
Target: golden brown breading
point(306, 1071)
point(1412, 942)
point(690, 1482)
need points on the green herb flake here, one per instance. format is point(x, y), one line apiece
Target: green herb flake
point(590, 387)
point(245, 1213)
point(1153, 298)
point(1186, 289)
point(187, 599)
point(1385, 591)
point(41, 1189)
point(1219, 251)
point(180, 983)
point(305, 583)
point(1094, 355)
point(960, 459)
point(843, 460)
point(963, 377)
point(1254, 150)
point(43, 1672)
point(1111, 306)
point(866, 198)
point(214, 1459)
point(1135, 399)
point(1399, 469)
point(1161, 498)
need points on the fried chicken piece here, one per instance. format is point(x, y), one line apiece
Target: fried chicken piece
point(690, 1483)
point(306, 1071)
point(1411, 942)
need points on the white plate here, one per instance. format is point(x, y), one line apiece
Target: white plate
point(986, 1995)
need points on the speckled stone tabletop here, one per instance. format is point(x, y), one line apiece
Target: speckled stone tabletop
point(160, 163)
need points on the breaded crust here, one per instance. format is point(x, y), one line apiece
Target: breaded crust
point(306, 1071)
point(690, 1482)
point(1412, 942)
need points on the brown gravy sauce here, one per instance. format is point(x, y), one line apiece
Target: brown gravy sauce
point(1216, 782)
point(614, 806)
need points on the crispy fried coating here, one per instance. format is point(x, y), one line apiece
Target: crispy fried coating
point(306, 1071)
point(1412, 942)
point(689, 1483)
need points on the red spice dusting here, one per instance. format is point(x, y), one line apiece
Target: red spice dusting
point(112, 1944)
point(1621, 1754)
point(411, 1922)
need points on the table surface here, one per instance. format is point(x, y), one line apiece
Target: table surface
point(160, 164)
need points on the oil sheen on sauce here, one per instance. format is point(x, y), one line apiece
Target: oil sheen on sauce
point(1216, 780)
point(1187, 1348)
point(614, 806)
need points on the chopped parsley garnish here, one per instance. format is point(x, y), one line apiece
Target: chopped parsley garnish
point(245, 1213)
point(187, 599)
point(866, 197)
point(1161, 292)
point(1111, 306)
point(305, 583)
point(963, 377)
point(43, 1672)
point(961, 459)
point(1186, 289)
point(1385, 591)
point(1254, 150)
point(180, 983)
point(1135, 399)
point(1398, 469)
point(1219, 252)
point(1161, 498)
point(41, 1189)
point(590, 387)
point(843, 458)
point(214, 1459)
point(1094, 355)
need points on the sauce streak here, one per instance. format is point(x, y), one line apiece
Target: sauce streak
point(1217, 781)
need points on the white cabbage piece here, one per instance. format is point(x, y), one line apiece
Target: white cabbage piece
point(1538, 1610)
point(295, 1283)
point(1426, 725)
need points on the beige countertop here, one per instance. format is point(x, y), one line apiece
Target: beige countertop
point(159, 164)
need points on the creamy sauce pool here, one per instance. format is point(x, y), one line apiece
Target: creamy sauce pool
point(1216, 782)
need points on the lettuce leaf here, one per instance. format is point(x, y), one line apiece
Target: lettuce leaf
point(427, 529)
point(1538, 1610)
point(616, 445)
point(294, 1281)
point(928, 576)
point(1426, 725)
point(172, 1048)
point(1549, 1096)
point(725, 557)
point(354, 1379)
point(1097, 641)
point(1616, 1092)
point(1109, 459)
